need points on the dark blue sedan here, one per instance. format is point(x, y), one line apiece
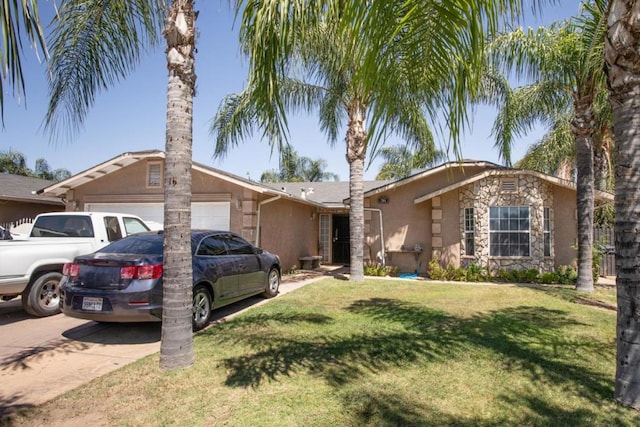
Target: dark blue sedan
point(122, 282)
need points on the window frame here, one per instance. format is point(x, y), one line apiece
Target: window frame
point(469, 232)
point(149, 183)
point(546, 221)
point(505, 247)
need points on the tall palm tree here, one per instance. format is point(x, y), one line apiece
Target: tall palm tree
point(330, 86)
point(369, 63)
point(96, 43)
point(622, 56)
point(15, 19)
point(566, 63)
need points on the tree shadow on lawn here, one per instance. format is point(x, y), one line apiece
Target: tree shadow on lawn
point(525, 338)
point(379, 407)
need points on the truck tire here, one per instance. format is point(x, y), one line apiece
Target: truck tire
point(42, 296)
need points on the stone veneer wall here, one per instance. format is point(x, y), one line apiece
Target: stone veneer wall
point(530, 191)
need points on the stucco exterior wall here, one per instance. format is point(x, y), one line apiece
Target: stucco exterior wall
point(409, 226)
point(290, 230)
point(565, 226)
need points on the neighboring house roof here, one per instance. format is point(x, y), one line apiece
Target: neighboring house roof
point(126, 159)
point(329, 193)
point(22, 189)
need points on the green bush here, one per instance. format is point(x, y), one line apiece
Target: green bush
point(435, 271)
point(475, 273)
point(549, 277)
point(377, 269)
point(567, 275)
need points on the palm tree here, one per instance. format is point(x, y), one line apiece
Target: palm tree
point(401, 161)
point(377, 67)
point(566, 63)
point(622, 56)
point(331, 87)
point(15, 19)
point(294, 168)
point(94, 44)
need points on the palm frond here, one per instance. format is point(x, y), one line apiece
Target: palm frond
point(94, 44)
point(16, 17)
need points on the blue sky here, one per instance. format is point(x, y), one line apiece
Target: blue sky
point(131, 115)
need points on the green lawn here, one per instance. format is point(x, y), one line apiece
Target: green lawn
point(382, 353)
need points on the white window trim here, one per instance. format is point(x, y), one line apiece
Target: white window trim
point(148, 175)
point(519, 231)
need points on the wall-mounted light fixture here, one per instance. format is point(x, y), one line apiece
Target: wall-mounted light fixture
point(383, 200)
point(239, 204)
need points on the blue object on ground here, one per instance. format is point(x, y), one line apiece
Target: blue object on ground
point(408, 276)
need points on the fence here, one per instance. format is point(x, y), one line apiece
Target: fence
point(604, 239)
point(17, 223)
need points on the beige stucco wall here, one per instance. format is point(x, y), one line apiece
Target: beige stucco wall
point(407, 224)
point(290, 230)
point(565, 226)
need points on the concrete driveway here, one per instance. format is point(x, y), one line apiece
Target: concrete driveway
point(42, 358)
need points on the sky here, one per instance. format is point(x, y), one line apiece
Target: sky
point(131, 115)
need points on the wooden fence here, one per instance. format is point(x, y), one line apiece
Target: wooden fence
point(603, 239)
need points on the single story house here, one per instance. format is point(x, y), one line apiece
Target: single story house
point(18, 200)
point(457, 213)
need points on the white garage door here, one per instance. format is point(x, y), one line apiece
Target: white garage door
point(210, 215)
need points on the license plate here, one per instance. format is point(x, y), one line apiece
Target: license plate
point(92, 304)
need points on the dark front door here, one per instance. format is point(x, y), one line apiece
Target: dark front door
point(340, 238)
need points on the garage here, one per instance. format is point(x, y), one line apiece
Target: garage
point(209, 215)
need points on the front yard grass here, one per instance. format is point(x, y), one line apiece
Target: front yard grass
point(381, 353)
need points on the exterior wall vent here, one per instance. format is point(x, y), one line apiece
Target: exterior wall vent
point(508, 185)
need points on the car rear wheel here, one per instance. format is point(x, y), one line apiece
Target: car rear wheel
point(42, 297)
point(202, 307)
point(273, 283)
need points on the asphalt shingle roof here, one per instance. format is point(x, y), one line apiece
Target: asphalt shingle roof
point(22, 188)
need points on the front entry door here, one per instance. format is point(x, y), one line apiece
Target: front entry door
point(340, 239)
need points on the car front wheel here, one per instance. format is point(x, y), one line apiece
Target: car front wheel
point(273, 283)
point(202, 307)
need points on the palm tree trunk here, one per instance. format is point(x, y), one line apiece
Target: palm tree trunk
point(623, 69)
point(356, 152)
point(583, 125)
point(176, 348)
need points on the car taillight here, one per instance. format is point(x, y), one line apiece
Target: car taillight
point(141, 272)
point(71, 269)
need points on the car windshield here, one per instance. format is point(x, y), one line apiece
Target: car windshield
point(150, 244)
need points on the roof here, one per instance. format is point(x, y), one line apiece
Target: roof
point(329, 193)
point(428, 172)
point(22, 189)
point(117, 163)
point(599, 195)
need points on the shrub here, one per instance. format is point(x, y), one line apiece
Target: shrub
point(435, 271)
point(475, 273)
point(377, 269)
point(549, 277)
point(567, 275)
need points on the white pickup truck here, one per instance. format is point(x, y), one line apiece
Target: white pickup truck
point(32, 267)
